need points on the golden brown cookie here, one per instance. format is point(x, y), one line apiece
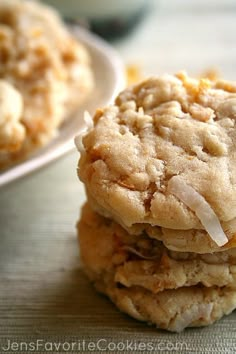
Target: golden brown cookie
point(12, 132)
point(164, 155)
point(49, 68)
point(147, 280)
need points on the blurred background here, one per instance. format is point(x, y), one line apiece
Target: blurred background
point(156, 36)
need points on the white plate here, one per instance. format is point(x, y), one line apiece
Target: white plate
point(109, 80)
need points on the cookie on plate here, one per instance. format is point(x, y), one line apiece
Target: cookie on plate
point(50, 69)
point(12, 132)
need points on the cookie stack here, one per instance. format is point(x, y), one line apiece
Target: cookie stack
point(158, 233)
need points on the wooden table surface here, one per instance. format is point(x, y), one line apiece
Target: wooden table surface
point(46, 303)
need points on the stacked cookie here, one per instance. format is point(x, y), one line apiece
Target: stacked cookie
point(158, 233)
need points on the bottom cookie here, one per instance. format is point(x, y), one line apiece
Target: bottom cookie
point(172, 290)
point(174, 310)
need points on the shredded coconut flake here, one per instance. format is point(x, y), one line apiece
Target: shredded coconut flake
point(139, 254)
point(195, 201)
point(79, 138)
point(88, 120)
point(79, 141)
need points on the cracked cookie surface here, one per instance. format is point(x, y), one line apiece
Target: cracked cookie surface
point(164, 127)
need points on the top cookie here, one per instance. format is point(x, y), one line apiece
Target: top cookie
point(164, 135)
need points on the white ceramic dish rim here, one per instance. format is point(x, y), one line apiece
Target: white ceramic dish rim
point(50, 153)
